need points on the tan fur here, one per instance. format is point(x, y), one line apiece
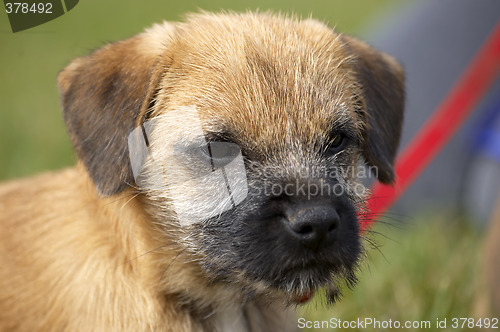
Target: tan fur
point(269, 73)
point(82, 250)
point(97, 265)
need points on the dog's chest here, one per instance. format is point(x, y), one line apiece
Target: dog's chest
point(231, 320)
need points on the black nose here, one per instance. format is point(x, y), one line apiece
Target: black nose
point(314, 227)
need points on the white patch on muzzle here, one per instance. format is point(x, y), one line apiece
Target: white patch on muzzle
point(171, 158)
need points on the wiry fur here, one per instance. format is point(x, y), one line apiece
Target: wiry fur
point(91, 248)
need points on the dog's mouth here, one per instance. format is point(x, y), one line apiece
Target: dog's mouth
point(293, 286)
point(267, 257)
point(302, 297)
point(318, 279)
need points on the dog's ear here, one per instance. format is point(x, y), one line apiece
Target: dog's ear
point(382, 80)
point(103, 95)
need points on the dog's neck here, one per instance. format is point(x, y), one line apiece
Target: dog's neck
point(232, 320)
point(153, 258)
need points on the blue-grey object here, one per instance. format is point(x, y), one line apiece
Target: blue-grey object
point(435, 41)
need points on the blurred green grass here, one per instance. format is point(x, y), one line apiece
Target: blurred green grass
point(32, 134)
point(431, 270)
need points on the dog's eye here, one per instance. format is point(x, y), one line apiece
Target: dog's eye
point(337, 143)
point(219, 154)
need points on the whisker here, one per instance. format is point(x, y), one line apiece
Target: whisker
point(171, 262)
point(130, 200)
point(150, 251)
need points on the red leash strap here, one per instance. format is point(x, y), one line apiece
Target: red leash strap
point(452, 112)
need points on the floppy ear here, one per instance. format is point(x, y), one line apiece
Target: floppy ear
point(382, 82)
point(103, 97)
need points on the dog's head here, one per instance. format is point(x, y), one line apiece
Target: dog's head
point(244, 135)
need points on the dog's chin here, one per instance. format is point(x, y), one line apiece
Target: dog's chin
point(302, 289)
point(295, 287)
point(260, 257)
point(332, 290)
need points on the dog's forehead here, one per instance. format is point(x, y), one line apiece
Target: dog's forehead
point(261, 76)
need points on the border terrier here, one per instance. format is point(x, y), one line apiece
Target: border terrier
point(218, 179)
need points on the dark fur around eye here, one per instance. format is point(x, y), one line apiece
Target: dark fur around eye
point(336, 144)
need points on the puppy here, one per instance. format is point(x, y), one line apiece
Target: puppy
point(218, 180)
